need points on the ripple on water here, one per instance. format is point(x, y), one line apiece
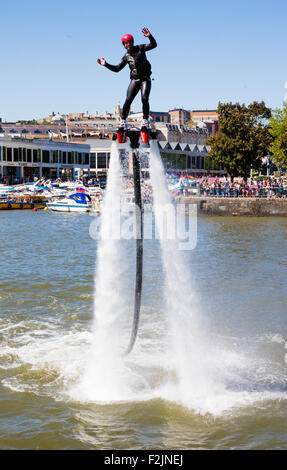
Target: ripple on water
point(47, 268)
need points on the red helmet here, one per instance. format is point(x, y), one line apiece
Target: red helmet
point(127, 37)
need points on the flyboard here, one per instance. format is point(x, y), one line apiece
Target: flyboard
point(135, 135)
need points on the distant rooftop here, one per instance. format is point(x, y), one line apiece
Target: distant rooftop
point(177, 109)
point(204, 111)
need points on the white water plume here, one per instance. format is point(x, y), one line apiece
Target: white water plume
point(195, 379)
point(108, 273)
point(108, 376)
point(104, 379)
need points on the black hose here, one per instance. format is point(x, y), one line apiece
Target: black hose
point(139, 248)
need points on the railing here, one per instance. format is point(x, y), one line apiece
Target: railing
point(235, 193)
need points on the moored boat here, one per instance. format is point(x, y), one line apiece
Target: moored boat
point(23, 202)
point(77, 202)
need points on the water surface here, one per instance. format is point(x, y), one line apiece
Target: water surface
point(47, 267)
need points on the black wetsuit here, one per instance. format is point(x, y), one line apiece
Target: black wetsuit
point(140, 75)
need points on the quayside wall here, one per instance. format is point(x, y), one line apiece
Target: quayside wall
point(221, 206)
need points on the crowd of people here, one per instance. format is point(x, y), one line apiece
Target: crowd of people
point(224, 187)
point(146, 189)
point(209, 186)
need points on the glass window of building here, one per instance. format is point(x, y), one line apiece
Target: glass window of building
point(86, 158)
point(93, 160)
point(9, 154)
point(169, 160)
point(16, 155)
point(55, 156)
point(181, 162)
point(101, 160)
point(46, 154)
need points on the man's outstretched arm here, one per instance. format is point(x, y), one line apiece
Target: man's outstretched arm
point(113, 68)
point(153, 44)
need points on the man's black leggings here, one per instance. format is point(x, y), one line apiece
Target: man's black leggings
point(134, 87)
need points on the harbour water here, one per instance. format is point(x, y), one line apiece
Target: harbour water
point(233, 394)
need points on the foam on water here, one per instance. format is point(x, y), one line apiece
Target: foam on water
point(46, 360)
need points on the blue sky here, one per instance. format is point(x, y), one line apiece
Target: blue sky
point(207, 52)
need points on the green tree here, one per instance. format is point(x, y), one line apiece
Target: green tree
point(278, 130)
point(243, 137)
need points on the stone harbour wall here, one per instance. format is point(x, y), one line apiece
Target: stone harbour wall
point(237, 206)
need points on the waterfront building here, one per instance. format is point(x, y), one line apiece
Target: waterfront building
point(183, 134)
point(118, 111)
point(172, 126)
point(179, 116)
point(208, 116)
point(29, 149)
point(100, 152)
point(23, 159)
point(192, 159)
point(57, 130)
point(156, 117)
point(160, 117)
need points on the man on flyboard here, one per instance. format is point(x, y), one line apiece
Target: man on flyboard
point(140, 74)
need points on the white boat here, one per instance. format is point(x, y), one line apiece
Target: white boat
point(6, 190)
point(76, 202)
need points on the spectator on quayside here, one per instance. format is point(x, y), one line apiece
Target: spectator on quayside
point(140, 74)
point(210, 186)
